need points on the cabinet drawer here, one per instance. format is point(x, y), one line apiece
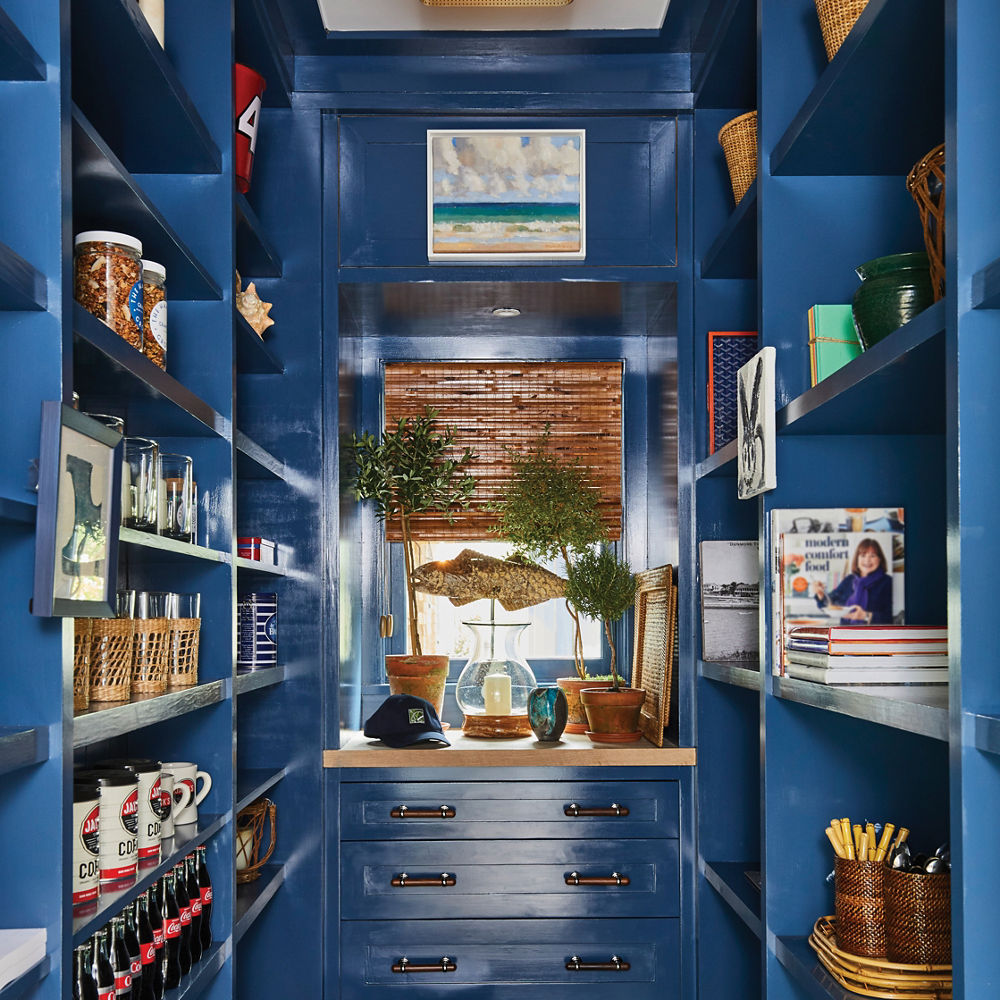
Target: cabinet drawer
point(502, 957)
point(489, 878)
point(527, 810)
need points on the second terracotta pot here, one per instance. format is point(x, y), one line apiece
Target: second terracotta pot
point(576, 717)
point(613, 714)
point(423, 676)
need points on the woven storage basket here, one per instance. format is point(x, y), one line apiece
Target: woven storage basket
point(738, 139)
point(182, 651)
point(861, 907)
point(82, 629)
point(836, 18)
point(111, 659)
point(251, 821)
point(918, 917)
point(925, 182)
point(149, 660)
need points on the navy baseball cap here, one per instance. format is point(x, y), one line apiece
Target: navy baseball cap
point(404, 719)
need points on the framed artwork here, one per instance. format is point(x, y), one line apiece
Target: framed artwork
point(728, 351)
point(79, 511)
point(755, 426)
point(653, 648)
point(506, 194)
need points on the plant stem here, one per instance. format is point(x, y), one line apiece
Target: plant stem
point(578, 661)
point(615, 680)
point(411, 597)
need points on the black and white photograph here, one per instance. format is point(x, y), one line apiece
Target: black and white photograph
point(730, 598)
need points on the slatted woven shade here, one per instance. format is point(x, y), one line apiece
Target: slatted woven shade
point(496, 405)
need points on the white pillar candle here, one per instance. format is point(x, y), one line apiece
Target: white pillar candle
point(496, 694)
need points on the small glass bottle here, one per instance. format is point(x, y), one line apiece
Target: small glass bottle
point(107, 280)
point(154, 312)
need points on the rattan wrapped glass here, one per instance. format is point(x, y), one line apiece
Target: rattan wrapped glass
point(111, 659)
point(182, 651)
point(150, 656)
point(82, 630)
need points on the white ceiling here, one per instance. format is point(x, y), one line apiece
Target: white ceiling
point(412, 15)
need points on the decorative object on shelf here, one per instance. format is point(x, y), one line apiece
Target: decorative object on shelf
point(755, 451)
point(918, 917)
point(248, 90)
point(111, 659)
point(258, 631)
point(926, 183)
point(420, 676)
point(82, 632)
point(76, 534)
point(171, 800)
point(738, 139)
point(860, 902)
point(251, 855)
point(183, 636)
point(836, 18)
point(547, 713)
point(728, 351)
point(893, 290)
point(118, 823)
point(506, 194)
point(730, 602)
point(186, 772)
point(833, 340)
point(152, 11)
point(147, 773)
point(107, 281)
point(86, 844)
point(177, 498)
point(403, 720)
point(149, 643)
point(257, 549)
point(653, 648)
point(154, 312)
point(252, 308)
point(142, 457)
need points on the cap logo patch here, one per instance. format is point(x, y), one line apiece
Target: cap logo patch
point(417, 717)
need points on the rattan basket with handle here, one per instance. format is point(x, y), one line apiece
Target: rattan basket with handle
point(926, 182)
point(836, 18)
point(250, 823)
point(861, 907)
point(738, 139)
point(182, 651)
point(111, 659)
point(82, 629)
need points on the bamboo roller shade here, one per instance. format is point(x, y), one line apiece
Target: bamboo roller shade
point(496, 405)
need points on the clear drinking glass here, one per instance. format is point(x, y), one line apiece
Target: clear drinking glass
point(125, 604)
point(184, 606)
point(153, 603)
point(139, 494)
point(176, 495)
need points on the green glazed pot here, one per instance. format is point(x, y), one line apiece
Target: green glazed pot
point(893, 290)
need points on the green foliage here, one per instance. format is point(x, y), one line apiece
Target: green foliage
point(600, 585)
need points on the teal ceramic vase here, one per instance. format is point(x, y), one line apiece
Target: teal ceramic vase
point(547, 713)
point(893, 290)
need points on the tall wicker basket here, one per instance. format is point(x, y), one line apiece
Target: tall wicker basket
point(926, 183)
point(836, 18)
point(738, 139)
point(82, 629)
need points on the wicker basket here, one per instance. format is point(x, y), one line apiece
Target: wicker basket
point(182, 651)
point(918, 917)
point(925, 182)
point(149, 660)
point(250, 836)
point(82, 629)
point(861, 907)
point(738, 138)
point(836, 18)
point(111, 659)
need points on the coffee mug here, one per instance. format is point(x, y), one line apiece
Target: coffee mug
point(186, 773)
point(171, 800)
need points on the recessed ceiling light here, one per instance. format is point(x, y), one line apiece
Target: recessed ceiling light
point(505, 311)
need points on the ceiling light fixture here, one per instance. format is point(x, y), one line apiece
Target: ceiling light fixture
point(496, 3)
point(505, 311)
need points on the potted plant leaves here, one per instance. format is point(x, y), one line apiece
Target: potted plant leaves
point(411, 469)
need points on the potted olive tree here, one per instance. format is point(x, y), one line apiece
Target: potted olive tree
point(411, 469)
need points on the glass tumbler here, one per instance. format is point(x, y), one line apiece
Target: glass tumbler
point(140, 508)
point(125, 604)
point(153, 603)
point(184, 606)
point(176, 496)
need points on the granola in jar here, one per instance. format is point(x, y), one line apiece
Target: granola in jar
point(107, 281)
point(154, 312)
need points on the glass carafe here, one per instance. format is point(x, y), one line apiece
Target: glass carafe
point(497, 679)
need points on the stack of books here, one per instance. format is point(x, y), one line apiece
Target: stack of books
point(867, 654)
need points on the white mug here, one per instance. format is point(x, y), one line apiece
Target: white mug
point(171, 800)
point(186, 773)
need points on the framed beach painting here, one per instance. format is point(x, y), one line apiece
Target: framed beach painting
point(506, 194)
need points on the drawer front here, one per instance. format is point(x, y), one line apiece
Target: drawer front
point(499, 959)
point(489, 878)
point(526, 810)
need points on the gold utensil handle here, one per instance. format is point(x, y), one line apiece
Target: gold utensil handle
point(404, 966)
point(402, 880)
point(614, 964)
point(613, 810)
point(575, 878)
point(405, 812)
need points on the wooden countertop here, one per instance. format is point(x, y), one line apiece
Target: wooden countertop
point(578, 751)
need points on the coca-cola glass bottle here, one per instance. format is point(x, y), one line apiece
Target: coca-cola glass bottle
point(84, 987)
point(104, 975)
point(194, 894)
point(152, 984)
point(153, 896)
point(121, 962)
point(184, 908)
point(205, 888)
point(171, 961)
point(131, 936)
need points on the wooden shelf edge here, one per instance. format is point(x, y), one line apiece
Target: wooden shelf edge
point(263, 461)
point(259, 781)
point(19, 987)
point(18, 511)
point(159, 543)
point(22, 747)
point(722, 877)
point(721, 462)
point(986, 287)
point(255, 896)
point(800, 960)
point(730, 673)
point(22, 286)
point(255, 680)
point(985, 732)
point(256, 566)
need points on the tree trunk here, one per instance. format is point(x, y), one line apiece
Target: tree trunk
point(578, 660)
point(411, 597)
point(615, 680)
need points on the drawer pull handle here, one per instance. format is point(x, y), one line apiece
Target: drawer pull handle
point(405, 812)
point(613, 810)
point(402, 880)
point(615, 878)
point(614, 965)
point(404, 965)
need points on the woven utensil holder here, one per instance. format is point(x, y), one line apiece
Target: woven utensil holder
point(111, 659)
point(182, 652)
point(925, 182)
point(918, 917)
point(861, 907)
point(82, 629)
point(836, 18)
point(252, 820)
point(149, 661)
point(738, 139)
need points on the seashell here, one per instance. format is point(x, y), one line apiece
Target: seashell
point(253, 309)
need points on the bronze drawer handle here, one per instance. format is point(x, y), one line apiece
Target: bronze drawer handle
point(405, 812)
point(402, 880)
point(613, 810)
point(404, 965)
point(575, 878)
point(614, 965)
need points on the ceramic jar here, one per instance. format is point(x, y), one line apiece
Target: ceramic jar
point(547, 713)
point(893, 290)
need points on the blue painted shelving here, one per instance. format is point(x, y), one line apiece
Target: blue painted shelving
point(729, 880)
point(730, 673)
point(734, 252)
point(256, 680)
point(18, 58)
point(255, 256)
point(253, 462)
point(201, 976)
point(253, 897)
point(21, 286)
point(21, 747)
point(720, 463)
point(254, 356)
point(23, 985)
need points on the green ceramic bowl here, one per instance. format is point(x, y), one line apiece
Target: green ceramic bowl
point(893, 290)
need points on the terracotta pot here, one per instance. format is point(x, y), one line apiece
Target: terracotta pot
point(423, 676)
point(575, 715)
point(614, 714)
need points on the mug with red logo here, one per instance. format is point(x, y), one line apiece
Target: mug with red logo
point(147, 773)
point(86, 844)
point(171, 800)
point(119, 821)
point(186, 773)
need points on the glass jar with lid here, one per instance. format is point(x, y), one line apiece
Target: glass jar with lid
point(107, 280)
point(154, 312)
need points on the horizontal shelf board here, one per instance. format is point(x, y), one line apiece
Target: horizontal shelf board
point(17, 511)
point(800, 960)
point(253, 462)
point(114, 720)
point(257, 45)
point(185, 839)
point(986, 287)
point(159, 543)
point(915, 708)
point(20, 747)
point(113, 42)
point(105, 364)
point(720, 463)
point(879, 105)
point(18, 58)
point(255, 257)
point(256, 566)
point(728, 880)
point(252, 783)
point(22, 287)
point(734, 252)
point(24, 983)
point(895, 387)
point(106, 196)
point(986, 732)
point(730, 673)
point(252, 897)
point(254, 680)
point(253, 356)
point(200, 977)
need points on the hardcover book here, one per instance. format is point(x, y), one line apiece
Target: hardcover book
point(888, 675)
point(730, 601)
point(833, 340)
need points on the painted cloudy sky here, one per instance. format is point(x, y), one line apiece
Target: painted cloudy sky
point(506, 168)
